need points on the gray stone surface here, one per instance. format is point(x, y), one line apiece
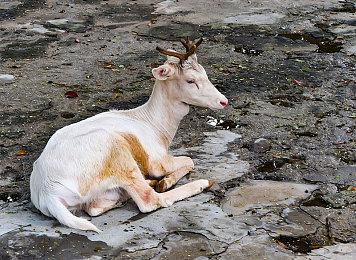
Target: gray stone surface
point(259, 194)
point(6, 78)
point(288, 70)
point(261, 145)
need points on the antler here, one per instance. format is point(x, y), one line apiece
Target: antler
point(189, 46)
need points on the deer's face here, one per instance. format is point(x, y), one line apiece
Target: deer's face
point(190, 84)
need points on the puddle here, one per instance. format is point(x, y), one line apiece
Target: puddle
point(67, 115)
point(325, 45)
point(298, 245)
point(275, 164)
point(26, 49)
point(316, 201)
point(65, 246)
point(223, 124)
point(246, 50)
point(227, 124)
point(271, 166)
point(10, 197)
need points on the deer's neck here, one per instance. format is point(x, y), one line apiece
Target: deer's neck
point(163, 111)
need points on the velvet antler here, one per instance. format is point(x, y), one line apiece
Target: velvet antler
point(189, 46)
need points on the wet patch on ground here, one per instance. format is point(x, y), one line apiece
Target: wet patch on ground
point(127, 12)
point(26, 49)
point(19, 245)
point(20, 8)
point(325, 43)
point(175, 31)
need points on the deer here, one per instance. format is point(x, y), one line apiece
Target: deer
point(99, 163)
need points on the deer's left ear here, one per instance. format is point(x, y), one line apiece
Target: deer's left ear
point(163, 72)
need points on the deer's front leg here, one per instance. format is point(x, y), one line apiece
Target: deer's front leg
point(173, 168)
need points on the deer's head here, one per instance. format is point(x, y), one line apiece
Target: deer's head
point(187, 79)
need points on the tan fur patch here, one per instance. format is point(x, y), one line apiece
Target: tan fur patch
point(157, 169)
point(138, 153)
point(125, 156)
point(164, 142)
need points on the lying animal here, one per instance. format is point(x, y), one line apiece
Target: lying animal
point(99, 163)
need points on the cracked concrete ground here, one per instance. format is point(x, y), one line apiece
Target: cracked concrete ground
point(282, 154)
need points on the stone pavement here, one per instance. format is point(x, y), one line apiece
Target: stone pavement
point(282, 154)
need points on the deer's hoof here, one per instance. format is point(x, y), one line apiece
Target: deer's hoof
point(211, 183)
point(161, 186)
point(152, 183)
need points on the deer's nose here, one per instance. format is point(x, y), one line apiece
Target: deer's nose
point(223, 103)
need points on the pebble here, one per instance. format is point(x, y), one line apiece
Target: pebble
point(261, 145)
point(6, 78)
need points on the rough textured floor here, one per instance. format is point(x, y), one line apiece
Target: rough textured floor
point(282, 154)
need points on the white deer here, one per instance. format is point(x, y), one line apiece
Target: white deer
point(99, 163)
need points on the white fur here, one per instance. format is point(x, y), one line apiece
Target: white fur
point(76, 153)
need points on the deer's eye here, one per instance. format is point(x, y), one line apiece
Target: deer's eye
point(191, 81)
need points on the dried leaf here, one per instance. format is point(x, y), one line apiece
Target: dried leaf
point(281, 244)
point(298, 82)
point(21, 152)
point(352, 188)
point(71, 94)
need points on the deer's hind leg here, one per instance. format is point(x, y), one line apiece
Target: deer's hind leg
point(108, 200)
point(173, 169)
point(148, 199)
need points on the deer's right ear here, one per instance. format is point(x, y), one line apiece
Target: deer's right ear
point(162, 72)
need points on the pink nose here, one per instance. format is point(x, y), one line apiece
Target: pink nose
point(224, 104)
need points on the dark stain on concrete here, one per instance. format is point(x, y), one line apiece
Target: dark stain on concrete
point(175, 31)
point(23, 49)
point(20, 10)
point(20, 245)
point(128, 12)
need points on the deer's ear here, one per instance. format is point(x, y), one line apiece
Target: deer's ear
point(163, 72)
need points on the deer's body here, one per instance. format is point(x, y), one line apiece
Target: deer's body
point(99, 163)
